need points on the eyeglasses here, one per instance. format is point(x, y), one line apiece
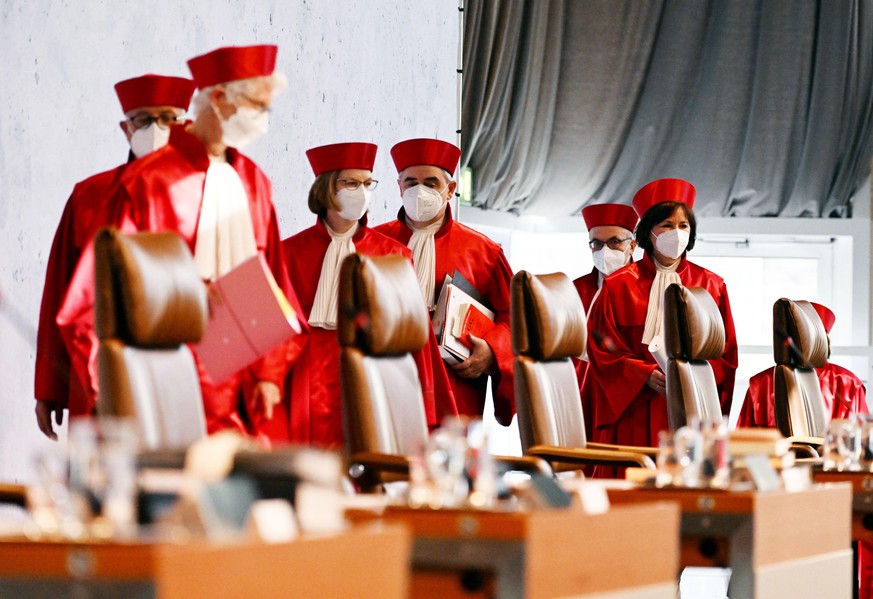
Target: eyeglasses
point(352, 184)
point(259, 106)
point(614, 243)
point(143, 120)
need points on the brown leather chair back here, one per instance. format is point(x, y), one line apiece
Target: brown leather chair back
point(800, 345)
point(548, 328)
point(149, 303)
point(693, 335)
point(381, 320)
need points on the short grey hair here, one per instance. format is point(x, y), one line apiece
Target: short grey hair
point(240, 87)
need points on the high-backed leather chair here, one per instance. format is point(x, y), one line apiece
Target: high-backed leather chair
point(381, 321)
point(150, 302)
point(548, 329)
point(693, 335)
point(800, 345)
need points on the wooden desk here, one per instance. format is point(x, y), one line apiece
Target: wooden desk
point(628, 552)
point(862, 499)
point(365, 562)
point(778, 544)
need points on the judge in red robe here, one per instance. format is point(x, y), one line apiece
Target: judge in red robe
point(440, 246)
point(611, 239)
point(151, 104)
point(220, 203)
point(844, 394)
point(340, 197)
point(627, 316)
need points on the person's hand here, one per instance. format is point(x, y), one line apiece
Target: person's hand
point(268, 395)
point(479, 361)
point(44, 411)
point(658, 382)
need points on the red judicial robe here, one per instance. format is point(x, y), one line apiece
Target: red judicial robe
point(628, 411)
point(88, 209)
point(587, 287)
point(163, 192)
point(844, 394)
point(482, 262)
point(312, 386)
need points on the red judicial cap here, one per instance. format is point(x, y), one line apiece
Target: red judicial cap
point(334, 157)
point(232, 63)
point(828, 318)
point(154, 90)
point(434, 152)
point(664, 190)
point(606, 215)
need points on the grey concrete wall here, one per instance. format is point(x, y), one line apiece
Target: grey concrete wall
point(358, 70)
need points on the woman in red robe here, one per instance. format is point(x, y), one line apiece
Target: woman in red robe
point(627, 316)
point(339, 197)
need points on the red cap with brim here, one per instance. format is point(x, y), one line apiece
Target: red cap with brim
point(232, 63)
point(335, 157)
point(154, 90)
point(610, 215)
point(433, 152)
point(828, 318)
point(664, 190)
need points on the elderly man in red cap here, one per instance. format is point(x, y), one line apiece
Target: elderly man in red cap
point(340, 198)
point(440, 246)
point(844, 394)
point(200, 186)
point(611, 239)
point(151, 105)
point(626, 318)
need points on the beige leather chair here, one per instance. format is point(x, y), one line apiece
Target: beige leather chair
point(150, 302)
point(693, 335)
point(381, 321)
point(800, 345)
point(548, 328)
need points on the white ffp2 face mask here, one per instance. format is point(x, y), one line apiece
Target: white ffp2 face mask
point(422, 203)
point(353, 203)
point(672, 243)
point(244, 126)
point(608, 260)
point(148, 139)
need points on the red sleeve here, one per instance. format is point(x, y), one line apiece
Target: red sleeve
point(620, 373)
point(52, 369)
point(500, 340)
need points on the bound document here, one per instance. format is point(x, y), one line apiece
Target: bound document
point(249, 316)
point(471, 321)
point(448, 321)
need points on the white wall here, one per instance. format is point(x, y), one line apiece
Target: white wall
point(358, 70)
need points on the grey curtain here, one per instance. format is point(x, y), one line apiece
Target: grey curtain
point(766, 106)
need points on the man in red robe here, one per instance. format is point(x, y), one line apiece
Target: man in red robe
point(151, 104)
point(611, 239)
point(312, 385)
point(844, 394)
point(220, 203)
point(440, 246)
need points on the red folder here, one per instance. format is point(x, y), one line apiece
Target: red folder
point(473, 322)
point(248, 317)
